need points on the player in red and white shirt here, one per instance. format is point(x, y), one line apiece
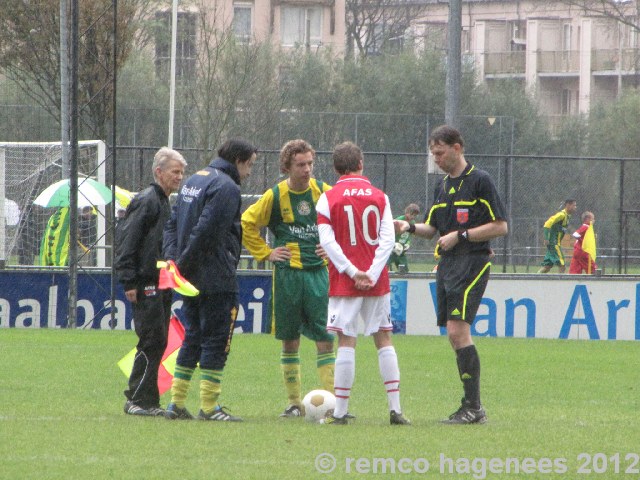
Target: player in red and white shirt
point(357, 233)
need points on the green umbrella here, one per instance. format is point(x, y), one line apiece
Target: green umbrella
point(90, 193)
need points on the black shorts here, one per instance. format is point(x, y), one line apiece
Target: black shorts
point(460, 284)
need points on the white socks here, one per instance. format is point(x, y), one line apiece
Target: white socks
point(345, 372)
point(390, 373)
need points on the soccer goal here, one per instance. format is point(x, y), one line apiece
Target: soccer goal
point(26, 169)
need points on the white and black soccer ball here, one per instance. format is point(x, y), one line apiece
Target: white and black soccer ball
point(318, 404)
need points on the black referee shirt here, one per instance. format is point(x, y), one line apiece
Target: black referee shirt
point(467, 201)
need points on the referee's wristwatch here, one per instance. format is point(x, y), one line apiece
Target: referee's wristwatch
point(463, 235)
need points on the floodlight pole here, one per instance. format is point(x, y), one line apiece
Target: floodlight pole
point(114, 165)
point(454, 64)
point(64, 86)
point(73, 173)
point(172, 82)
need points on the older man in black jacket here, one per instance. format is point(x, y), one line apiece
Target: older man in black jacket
point(139, 247)
point(203, 237)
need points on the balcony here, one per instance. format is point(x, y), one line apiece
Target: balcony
point(564, 61)
point(504, 63)
point(614, 60)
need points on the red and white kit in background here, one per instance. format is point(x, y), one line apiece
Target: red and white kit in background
point(356, 230)
point(581, 259)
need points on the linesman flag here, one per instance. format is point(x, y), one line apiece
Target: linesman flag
point(589, 242)
point(170, 278)
point(168, 363)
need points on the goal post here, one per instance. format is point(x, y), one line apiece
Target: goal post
point(26, 169)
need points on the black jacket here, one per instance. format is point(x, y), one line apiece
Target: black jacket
point(139, 238)
point(203, 235)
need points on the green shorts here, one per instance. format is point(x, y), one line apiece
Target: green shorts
point(299, 304)
point(553, 256)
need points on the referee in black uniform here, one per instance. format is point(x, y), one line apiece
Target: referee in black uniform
point(466, 212)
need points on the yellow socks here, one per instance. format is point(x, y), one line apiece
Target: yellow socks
point(290, 365)
point(210, 388)
point(180, 385)
point(326, 363)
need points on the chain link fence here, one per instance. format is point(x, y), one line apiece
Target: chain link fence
point(533, 187)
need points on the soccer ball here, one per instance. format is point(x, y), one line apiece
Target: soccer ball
point(318, 404)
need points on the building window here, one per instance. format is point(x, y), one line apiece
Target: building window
point(566, 37)
point(185, 45)
point(518, 33)
point(242, 21)
point(465, 40)
point(565, 107)
point(434, 36)
point(301, 25)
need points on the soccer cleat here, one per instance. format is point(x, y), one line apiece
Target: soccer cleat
point(349, 416)
point(292, 411)
point(466, 415)
point(396, 418)
point(157, 412)
point(131, 408)
point(173, 412)
point(218, 415)
point(331, 420)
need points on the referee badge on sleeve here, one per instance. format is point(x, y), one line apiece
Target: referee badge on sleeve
point(462, 215)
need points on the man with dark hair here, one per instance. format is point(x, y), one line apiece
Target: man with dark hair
point(138, 248)
point(554, 230)
point(298, 304)
point(467, 213)
point(203, 238)
point(356, 231)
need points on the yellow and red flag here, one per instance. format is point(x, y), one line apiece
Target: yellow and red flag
point(168, 363)
point(170, 278)
point(589, 242)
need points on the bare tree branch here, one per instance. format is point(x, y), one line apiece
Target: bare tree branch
point(30, 52)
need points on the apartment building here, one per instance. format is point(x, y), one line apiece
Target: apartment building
point(568, 58)
point(314, 24)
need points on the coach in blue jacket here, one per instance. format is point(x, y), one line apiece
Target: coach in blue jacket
point(203, 237)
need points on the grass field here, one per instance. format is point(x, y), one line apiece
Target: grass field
point(555, 408)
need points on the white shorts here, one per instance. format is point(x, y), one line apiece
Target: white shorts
point(345, 311)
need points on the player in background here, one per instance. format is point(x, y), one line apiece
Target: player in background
point(554, 229)
point(298, 304)
point(356, 231)
point(403, 241)
point(467, 213)
point(581, 262)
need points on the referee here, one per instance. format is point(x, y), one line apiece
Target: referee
point(466, 213)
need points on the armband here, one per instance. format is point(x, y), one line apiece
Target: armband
point(463, 235)
point(412, 228)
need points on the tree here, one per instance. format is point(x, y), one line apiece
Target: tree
point(614, 130)
point(626, 12)
point(233, 88)
point(377, 26)
point(30, 52)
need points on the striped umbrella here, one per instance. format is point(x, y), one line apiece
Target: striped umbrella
point(90, 193)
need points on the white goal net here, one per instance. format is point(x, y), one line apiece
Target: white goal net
point(26, 169)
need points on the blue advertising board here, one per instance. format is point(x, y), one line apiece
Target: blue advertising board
point(39, 299)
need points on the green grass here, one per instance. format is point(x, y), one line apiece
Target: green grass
point(61, 411)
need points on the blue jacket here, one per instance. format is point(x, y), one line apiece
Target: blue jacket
point(203, 235)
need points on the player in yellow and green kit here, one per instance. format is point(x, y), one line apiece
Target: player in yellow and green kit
point(554, 229)
point(299, 297)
